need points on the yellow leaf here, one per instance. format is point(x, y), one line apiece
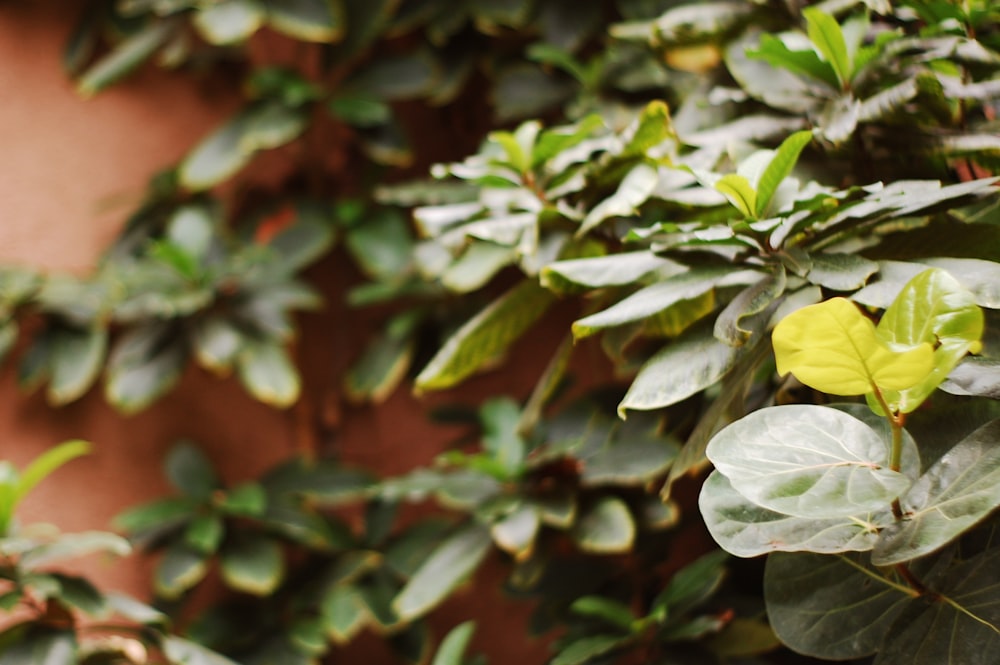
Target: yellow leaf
point(832, 347)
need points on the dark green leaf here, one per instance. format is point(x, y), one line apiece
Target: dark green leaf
point(582, 650)
point(190, 471)
point(230, 21)
point(204, 533)
point(76, 360)
point(605, 527)
point(184, 652)
point(180, 569)
point(255, 565)
point(125, 57)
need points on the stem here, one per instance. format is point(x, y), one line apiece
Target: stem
point(896, 452)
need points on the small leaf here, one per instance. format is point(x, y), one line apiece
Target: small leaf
point(833, 348)
point(825, 33)
point(454, 644)
point(72, 545)
point(143, 366)
point(448, 566)
point(46, 463)
point(750, 301)
point(254, 565)
point(125, 57)
point(807, 461)
point(268, 373)
point(183, 652)
point(515, 533)
point(385, 361)
point(635, 188)
point(606, 527)
point(582, 650)
point(76, 360)
point(229, 21)
point(204, 533)
point(179, 570)
point(343, 612)
point(612, 611)
point(190, 471)
point(740, 193)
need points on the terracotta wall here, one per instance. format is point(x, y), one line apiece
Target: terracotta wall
point(72, 169)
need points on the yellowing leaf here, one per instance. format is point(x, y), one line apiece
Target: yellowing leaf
point(833, 348)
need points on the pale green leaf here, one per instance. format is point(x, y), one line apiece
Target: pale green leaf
point(827, 36)
point(840, 272)
point(307, 20)
point(515, 533)
point(833, 348)
point(450, 564)
point(602, 271)
point(750, 301)
point(778, 169)
point(268, 373)
point(229, 21)
point(635, 188)
point(72, 545)
point(454, 644)
point(740, 193)
point(807, 461)
point(46, 463)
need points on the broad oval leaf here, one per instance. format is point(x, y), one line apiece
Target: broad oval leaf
point(268, 373)
point(253, 565)
point(831, 607)
point(934, 309)
point(833, 348)
point(76, 360)
point(229, 21)
point(606, 527)
point(603, 271)
point(807, 461)
point(447, 567)
point(745, 529)
point(959, 490)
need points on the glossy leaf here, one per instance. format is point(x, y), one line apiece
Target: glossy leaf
point(450, 564)
point(750, 301)
point(255, 565)
point(807, 461)
point(485, 336)
point(605, 527)
point(602, 271)
point(745, 529)
point(840, 272)
point(832, 347)
point(833, 607)
point(932, 309)
point(957, 491)
point(738, 190)
point(828, 37)
point(635, 188)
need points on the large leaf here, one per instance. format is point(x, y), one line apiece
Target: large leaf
point(745, 529)
point(840, 272)
point(958, 623)
point(933, 309)
point(485, 336)
point(72, 545)
point(831, 607)
point(807, 461)
point(832, 347)
point(449, 565)
point(959, 490)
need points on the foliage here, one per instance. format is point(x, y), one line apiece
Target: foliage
point(747, 205)
point(58, 617)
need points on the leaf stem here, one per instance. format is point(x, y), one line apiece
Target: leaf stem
point(896, 451)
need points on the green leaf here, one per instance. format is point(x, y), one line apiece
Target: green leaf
point(958, 491)
point(268, 373)
point(254, 565)
point(596, 272)
point(778, 169)
point(833, 348)
point(204, 533)
point(651, 128)
point(72, 545)
point(146, 363)
point(448, 566)
point(229, 21)
point(81, 594)
point(745, 529)
point(695, 361)
point(155, 516)
point(179, 570)
point(485, 336)
point(750, 301)
point(635, 188)
point(840, 272)
point(125, 57)
point(396, 77)
point(454, 644)
point(307, 20)
point(46, 463)
point(933, 309)
point(806, 63)
point(500, 417)
point(693, 584)
point(959, 621)
point(515, 533)
point(826, 35)
point(605, 527)
point(184, 652)
point(216, 343)
point(582, 650)
point(662, 295)
point(831, 607)
point(611, 611)
point(43, 647)
point(76, 359)
point(344, 613)
point(479, 263)
point(385, 361)
point(807, 461)
point(190, 471)
point(740, 193)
